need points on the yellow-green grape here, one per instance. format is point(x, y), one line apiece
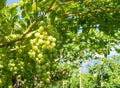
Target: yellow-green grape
point(28, 35)
point(19, 51)
point(35, 48)
point(44, 47)
point(53, 45)
point(11, 64)
point(44, 34)
point(42, 60)
point(21, 63)
point(38, 60)
point(37, 35)
point(15, 68)
point(47, 73)
point(50, 38)
point(47, 80)
point(40, 41)
point(32, 54)
point(54, 39)
point(33, 41)
point(41, 29)
point(1, 81)
point(41, 36)
point(43, 68)
point(10, 86)
point(47, 65)
point(47, 42)
point(41, 23)
point(13, 36)
point(1, 66)
point(49, 47)
point(40, 56)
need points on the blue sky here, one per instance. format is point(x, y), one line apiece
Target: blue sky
point(9, 2)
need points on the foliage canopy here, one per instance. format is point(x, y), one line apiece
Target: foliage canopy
point(38, 38)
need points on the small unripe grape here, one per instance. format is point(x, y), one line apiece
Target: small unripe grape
point(47, 42)
point(33, 41)
point(42, 23)
point(44, 47)
point(50, 38)
point(1, 81)
point(28, 35)
point(49, 47)
point(19, 50)
point(42, 60)
point(41, 36)
point(1, 66)
point(12, 64)
point(40, 30)
point(37, 35)
point(37, 59)
point(53, 44)
point(47, 80)
point(35, 48)
point(15, 68)
point(21, 63)
point(54, 39)
point(47, 73)
point(40, 41)
point(11, 68)
point(47, 65)
point(44, 34)
point(40, 55)
point(13, 36)
point(31, 54)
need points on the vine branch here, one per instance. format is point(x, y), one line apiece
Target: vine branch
point(50, 6)
point(21, 37)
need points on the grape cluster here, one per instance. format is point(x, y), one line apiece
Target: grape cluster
point(42, 45)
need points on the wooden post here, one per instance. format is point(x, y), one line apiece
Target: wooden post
point(80, 78)
point(63, 84)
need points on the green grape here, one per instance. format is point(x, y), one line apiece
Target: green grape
point(48, 73)
point(35, 48)
point(1, 66)
point(53, 45)
point(40, 30)
point(41, 37)
point(40, 41)
point(41, 23)
point(47, 42)
point(37, 35)
point(40, 56)
point(28, 35)
point(44, 47)
point(47, 80)
point(32, 54)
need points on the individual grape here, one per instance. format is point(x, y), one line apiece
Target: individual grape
point(37, 35)
point(40, 30)
point(40, 41)
point(35, 48)
point(47, 80)
point(40, 56)
point(53, 45)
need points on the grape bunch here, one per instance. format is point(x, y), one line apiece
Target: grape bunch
point(42, 45)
